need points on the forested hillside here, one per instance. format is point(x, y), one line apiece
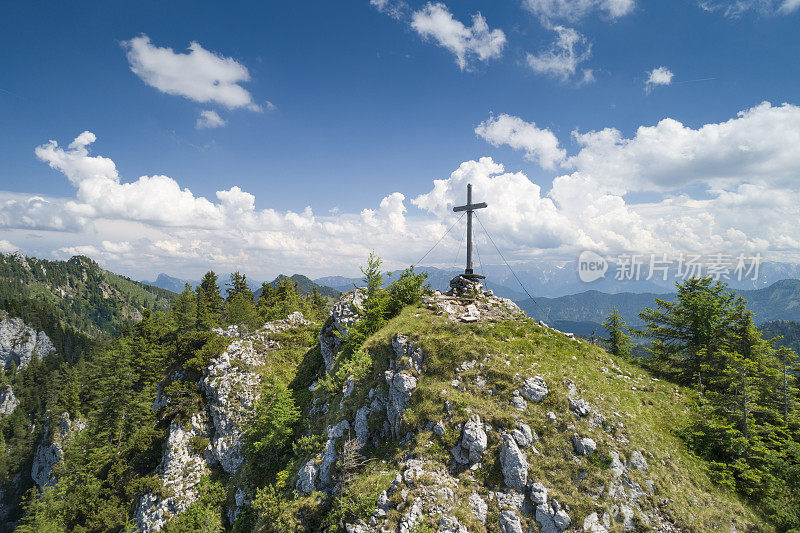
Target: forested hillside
point(73, 295)
point(399, 408)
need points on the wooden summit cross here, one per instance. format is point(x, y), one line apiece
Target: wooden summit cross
point(469, 208)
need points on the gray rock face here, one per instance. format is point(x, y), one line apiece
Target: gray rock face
point(401, 385)
point(21, 344)
point(579, 407)
point(406, 355)
point(538, 494)
point(638, 461)
point(232, 390)
point(180, 470)
point(344, 315)
point(51, 449)
point(411, 517)
point(479, 507)
point(513, 463)
point(594, 524)
point(307, 477)
point(534, 389)
point(616, 465)
point(472, 445)
point(8, 402)
point(450, 524)
point(523, 435)
point(583, 446)
point(509, 522)
point(518, 401)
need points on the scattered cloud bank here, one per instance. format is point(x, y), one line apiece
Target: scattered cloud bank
point(574, 10)
point(467, 43)
point(658, 76)
point(737, 8)
point(727, 186)
point(561, 61)
point(209, 119)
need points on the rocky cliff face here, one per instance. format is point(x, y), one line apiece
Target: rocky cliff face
point(50, 450)
point(8, 402)
point(20, 344)
point(182, 466)
point(213, 439)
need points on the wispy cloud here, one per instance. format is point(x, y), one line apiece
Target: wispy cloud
point(561, 60)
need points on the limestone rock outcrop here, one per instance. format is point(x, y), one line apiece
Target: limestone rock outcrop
point(51, 449)
point(342, 317)
point(8, 402)
point(181, 468)
point(20, 343)
point(472, 445)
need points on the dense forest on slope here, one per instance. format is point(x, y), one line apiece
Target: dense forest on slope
point(401, 408)
point(74, 295)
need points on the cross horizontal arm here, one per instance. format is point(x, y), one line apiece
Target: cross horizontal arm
point(470, 207)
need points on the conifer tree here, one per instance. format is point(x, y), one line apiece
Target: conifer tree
point(183, 314)
point(209, 302)
point(618, 337)
point(688, 333)
point(238, 286)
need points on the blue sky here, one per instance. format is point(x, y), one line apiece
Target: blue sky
point(358, 101)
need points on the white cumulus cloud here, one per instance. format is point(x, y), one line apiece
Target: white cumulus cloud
point(209, 119)
point(658, 76)
point(199, 75)
point(727, 186)
point(540, 145)
point(759, 145)
point(561, 60)
point(434, 21)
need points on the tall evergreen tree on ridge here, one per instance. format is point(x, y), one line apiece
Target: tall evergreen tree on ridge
point(687, 334)
point(209, 302)
point(618, 336)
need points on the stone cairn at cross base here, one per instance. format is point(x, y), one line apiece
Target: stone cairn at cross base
point(466, 301)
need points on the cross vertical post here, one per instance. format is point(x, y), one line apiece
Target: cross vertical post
point(469, 208)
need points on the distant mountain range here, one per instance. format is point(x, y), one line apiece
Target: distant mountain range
point(305, 285)
point(173, 284)
point(585, 311)
point(438, 279)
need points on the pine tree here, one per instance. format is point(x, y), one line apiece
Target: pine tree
point(209, 302)
point(618, 337)
point(183, 314)
point(238, 286)
point(687, 334)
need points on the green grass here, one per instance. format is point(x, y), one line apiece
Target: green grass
point(649, 411)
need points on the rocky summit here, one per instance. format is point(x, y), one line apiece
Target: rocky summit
point(457, 414)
